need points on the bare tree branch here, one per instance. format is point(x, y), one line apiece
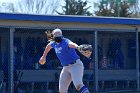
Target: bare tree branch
point(36, 6)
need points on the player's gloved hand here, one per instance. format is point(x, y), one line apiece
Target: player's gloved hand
point(85, 49)
point(42, 60)
point(79, 48)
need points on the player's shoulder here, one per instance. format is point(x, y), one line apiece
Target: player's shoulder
point(51, 43)
point(66, 40)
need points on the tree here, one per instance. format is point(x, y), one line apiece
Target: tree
point(32, 6)
point(7, 7)
point(37, 6)
point(111, 9)
point(135, 7)
point(74, 7)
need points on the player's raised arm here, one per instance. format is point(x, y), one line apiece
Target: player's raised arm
point(72, 45)
point(43, 58)
point(84, 49)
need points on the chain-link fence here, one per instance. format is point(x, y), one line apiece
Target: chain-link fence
point(117, 60)
point(115, 56)
point(117, 50)
point(29, 75)
point(4, 59)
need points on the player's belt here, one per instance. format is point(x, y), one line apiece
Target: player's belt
point(71, 63)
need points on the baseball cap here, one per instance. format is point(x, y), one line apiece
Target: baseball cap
point(57, 30)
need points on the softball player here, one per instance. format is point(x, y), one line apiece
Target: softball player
point(72, 65)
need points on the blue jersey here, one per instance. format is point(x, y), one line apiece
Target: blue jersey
point(65, 54)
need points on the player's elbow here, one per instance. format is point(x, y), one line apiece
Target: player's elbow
point(72, 45)
point(48, 48)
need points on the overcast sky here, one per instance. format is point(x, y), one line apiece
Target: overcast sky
point(8, 0)
point(61, 2)
point(90, 3)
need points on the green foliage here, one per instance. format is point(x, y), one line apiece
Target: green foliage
point(111, 9)
point(132, 1)
point(74, 7)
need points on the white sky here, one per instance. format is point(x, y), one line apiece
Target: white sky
point(8, 0)
point(60, 0)
point(90, 3)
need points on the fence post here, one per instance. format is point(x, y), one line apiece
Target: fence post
point(137, 60)
point(96, 60)
point(11, 62)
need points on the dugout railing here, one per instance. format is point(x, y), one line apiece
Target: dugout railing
point(102, 73)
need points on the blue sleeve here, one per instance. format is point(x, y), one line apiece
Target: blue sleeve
point(52, 44)
point(68, 41)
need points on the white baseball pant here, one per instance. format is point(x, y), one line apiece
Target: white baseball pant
point(70, 73)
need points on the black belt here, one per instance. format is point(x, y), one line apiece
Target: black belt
point(70, 63)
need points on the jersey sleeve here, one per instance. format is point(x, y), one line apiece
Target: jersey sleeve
point(68, 41)
point(52, 44)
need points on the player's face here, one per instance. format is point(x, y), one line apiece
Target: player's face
point(57, 37)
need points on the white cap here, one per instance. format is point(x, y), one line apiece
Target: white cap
point(57, 30)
